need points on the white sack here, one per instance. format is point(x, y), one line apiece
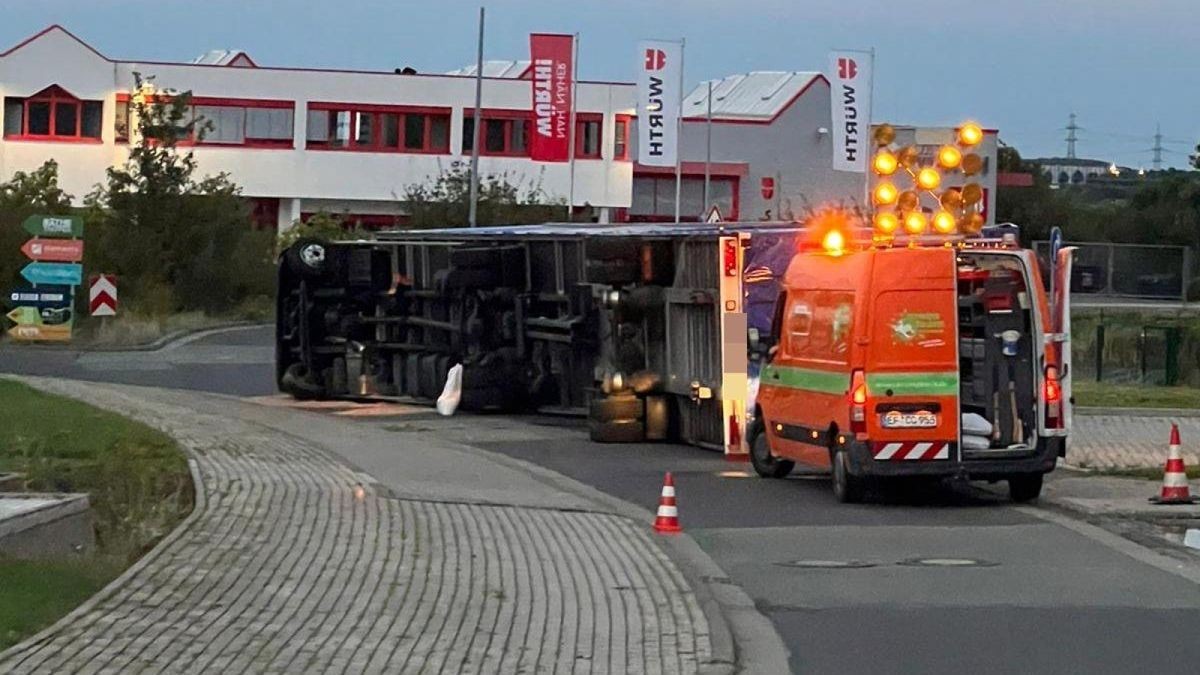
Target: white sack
point(976, 425)
point(975, 443)
point(447, 403)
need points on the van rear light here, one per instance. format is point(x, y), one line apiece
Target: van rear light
point(858, 402)
point(1052, 393)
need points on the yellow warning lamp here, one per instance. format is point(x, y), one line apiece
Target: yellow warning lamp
point(834, 242)
point(886, 222)
point(949, 157)
point(971, 194)
point(973, 223)
point(972, 164)
point(885, 193)
point(929, 179)
point(908, 201)
point(884, 134)
point(943, 222)
point(915, 222)
point(885, 163)
point(909, 156)
point(970, 134)
point(951, 199)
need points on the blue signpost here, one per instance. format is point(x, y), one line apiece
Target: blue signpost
point(40, 297)
point(65, 274)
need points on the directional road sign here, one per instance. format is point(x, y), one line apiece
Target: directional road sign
point(70, 274)
point(53, 250)
point(102, 295)
point(42, 297)
point(54, 226)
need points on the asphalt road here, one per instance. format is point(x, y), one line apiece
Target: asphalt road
point(948, 580)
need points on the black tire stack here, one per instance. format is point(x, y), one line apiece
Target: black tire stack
point(631, 414)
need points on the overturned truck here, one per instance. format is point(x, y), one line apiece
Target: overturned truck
point(643, 328)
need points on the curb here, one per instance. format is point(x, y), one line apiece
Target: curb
point(1136, 412)
point(182, 336)
point(124, 578)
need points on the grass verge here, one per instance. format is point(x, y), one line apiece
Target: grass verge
point(139, 487)
point(1106, 395)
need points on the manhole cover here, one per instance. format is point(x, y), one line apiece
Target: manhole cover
point(947, 562)
point(827, 564)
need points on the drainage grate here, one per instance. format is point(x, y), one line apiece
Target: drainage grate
point(827, 564)
point(946, 562)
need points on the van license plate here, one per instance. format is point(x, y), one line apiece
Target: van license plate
point(895, 419)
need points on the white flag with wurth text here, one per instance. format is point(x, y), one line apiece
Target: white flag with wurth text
point(850, 96)
point(659, 97)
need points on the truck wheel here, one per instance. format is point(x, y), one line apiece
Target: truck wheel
point(299, 381)
point(307, 257)
point(848, 489)
point(615, 409)
point(617, 431)
point(766, 464)
point(1025, 488)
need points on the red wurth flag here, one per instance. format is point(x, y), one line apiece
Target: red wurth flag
point(552, 67)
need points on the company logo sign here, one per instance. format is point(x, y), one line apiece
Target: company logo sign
point(850, 96)
point(552, 58)
point(658, 99)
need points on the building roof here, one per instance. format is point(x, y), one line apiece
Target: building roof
point(225, 57)
point(513, 69)
point(758, 96)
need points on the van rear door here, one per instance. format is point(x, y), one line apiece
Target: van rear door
point(911, 367)
point(1060, 340)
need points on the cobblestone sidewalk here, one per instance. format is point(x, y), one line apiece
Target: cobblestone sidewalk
point(1127, 441)
point(293, 562)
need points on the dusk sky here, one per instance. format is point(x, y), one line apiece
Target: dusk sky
point(1018, 65)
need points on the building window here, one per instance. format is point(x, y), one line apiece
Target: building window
point(503, 134)
point(654, 198)
point(621, 138)
point(587, 138)
point(378, 129)
point(52, 115)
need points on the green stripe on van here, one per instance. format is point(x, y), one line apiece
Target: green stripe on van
point(808, 379)
point(914, 384)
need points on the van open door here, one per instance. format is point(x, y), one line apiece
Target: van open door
point(1059, 341)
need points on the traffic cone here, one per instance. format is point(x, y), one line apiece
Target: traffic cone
point(668, 514)
point(1175, 482)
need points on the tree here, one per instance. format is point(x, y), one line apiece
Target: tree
point(22, 196)
point(176, 241)
point(445, 201)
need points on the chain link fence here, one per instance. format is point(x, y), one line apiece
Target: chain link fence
point(1142, 271)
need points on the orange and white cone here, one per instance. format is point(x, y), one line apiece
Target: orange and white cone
point(668, 513)
point(1175, 483)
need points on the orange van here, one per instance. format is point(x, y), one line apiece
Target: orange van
point(942, 360)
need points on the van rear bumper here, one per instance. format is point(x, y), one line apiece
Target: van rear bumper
point(1041, 460)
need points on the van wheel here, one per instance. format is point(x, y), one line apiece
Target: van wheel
point(766, 464)
point(848, 489)
point(1025, 488)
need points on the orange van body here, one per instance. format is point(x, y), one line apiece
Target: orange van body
point(866, 362)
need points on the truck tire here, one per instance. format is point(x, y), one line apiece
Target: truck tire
point(1025, 487)
point(485, 398)
point(307, 257)
point(412, 375)
point(765, 464)
point(427, 376)
point(398, 373)
point(338, 381)
point(848, 488)
point(615, 409)
point(299, 382)
point(617, 431)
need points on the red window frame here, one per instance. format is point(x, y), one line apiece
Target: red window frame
point(508, 118)
point(377, 113)
point(123, 99)
point(621, 137)
point(581, 120)
point(52, 96)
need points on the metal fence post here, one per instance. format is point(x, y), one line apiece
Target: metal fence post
point(1100, 350)
point(1112, 267)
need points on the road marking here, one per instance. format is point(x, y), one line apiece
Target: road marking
point(1116, 543)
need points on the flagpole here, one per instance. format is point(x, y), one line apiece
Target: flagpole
point(679, 132)
point(473, 209)
point(707, 151)
point(571, 131)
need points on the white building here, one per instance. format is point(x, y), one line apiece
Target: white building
point(302, 140)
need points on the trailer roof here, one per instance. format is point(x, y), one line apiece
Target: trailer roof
point(582, 230)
